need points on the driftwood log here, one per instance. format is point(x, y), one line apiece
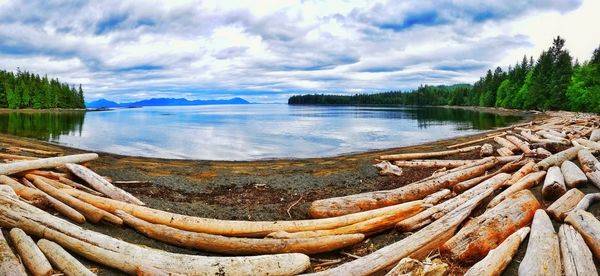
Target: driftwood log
point(524, 183)
point(128, 257)
point(101, 184)
point(486, 150)
point(573, 175)
point(506, 144)
point(34, 196)
point(543, 251)
point(588, 226)
point(52, 162)
point(588, 161)
point(425, 155)
point(507, 168)
point(498, 258)
point(594, 177)
point(470, 142)
point(432, 163)
point(595, 135)
point(588, 200)
point(32, 257)
point(487, 231)
point(62, 260)
point(504, 151)
point(9, 263)
point(577, 258)
point(554, 184)
point(522, 145)
point(558, 209)
point(558, 158)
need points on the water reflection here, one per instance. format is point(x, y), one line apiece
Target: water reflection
point(249, 131)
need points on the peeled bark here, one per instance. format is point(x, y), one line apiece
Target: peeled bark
point(558, 158)
point(52, 162)
point(32, 257)
point(554, 184)
point(372, 200)
point(435, 212)
point(417, 245)
point(522, 145)
point(588, 226)
point(9, 263)
point(61, 259)
point(486, 150)
point(487, 231)
point(34, 196)
point(524, 183)
point(101, 184)
point(432, 163)
point(89, 211)
point(588, 161)
point(506, 144)
point(234, 227)
point(574, 177)
point(498, 258)
point(595, 136)
point(577, 258)
point(504, 151)
point(566, 203)
point(128, 257)
point(425, 155)
point(543, 253)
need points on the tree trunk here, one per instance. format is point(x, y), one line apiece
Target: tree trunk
point(574, 177)
point(425, 155)
point(52, 162)
point(522, 145)
point(524, 183)
point(588, 162)
point(101, 184)
point(506, 144)
point(554, 184)
point(576, 256)
point(588, 226)
point(9, 263)
point(487, 231)
point(498, 258)
point(562, 206)
point(128, 257)
point(543, 253)
point(558, 158)
point(233, 227)
point(31, 255)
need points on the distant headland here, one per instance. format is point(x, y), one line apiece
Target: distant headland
point(104, 103)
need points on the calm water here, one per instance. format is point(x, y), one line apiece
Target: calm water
point(247, 132)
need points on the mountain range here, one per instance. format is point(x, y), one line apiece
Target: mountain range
point(104, 103)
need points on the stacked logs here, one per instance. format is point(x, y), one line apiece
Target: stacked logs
point(556, 155)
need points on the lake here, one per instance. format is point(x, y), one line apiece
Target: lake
point(249, 132)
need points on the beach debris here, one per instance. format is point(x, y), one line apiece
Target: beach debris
point(573, 175)
point(411, 267)
point(423, 155)
point(486, 150)
point(558, 209)
point(387, 168)
point(31, 256)
point(524, 183)
point(543, 252)
point(51, 162)
point(554, 184)
point(577, 258)
point(9, 262)
point(498, 258)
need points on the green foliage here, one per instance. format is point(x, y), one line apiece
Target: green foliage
point(27, 90)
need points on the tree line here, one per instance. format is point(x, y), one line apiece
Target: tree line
point(552, 82)
point(28, 90)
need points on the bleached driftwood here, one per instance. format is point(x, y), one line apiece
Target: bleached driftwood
point(387, 168)
point(588, 226)
point(507, 168)
point(470, 142)
point(52, 162)
point(16, 157)
point(593, 146)
point(558, 209)
point(62, 260)
point(32, 257)
point(554, 184)
point(9, 263)
point(486, 150)
point(587, 200)
point(34, 196)
point(504, 151)
point(543, 252)
point(487, 231)
point(506, 144)
point(432, 163)
point(541, 153)
point(522, 172)
point(101, 184)
point(524, 183)
point(573, 175)
point(595, 136)
point(588, 161)
point(558, 158)
point(498, 258)
point(409, 266)
point(594, 177)
point(425, 155)
point(577, 258)
point(522, 145)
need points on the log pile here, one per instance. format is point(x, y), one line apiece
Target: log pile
point(495, 186)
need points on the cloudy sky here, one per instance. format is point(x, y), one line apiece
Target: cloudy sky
point(267, 50)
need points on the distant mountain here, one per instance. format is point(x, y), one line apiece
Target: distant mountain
point(103, 103)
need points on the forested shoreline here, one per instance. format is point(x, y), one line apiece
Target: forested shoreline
point(28, 90)
point(552, 82)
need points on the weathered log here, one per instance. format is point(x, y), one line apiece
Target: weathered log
point(595, 136)
point(555, 133)
point(519, 174)
point(432, 163)
point(594, 177)
point(435, 212)
point(486, 150)
point(9, 263)
point(587, 200)
point(549, 136)
point(536, 139)
point(543, 253)
point(554, 184)
point(593, 146)
point(558, 158)
point(101, 184)
point(16, 157)
point(425, 155)
point(8, 190)
point(76, 185)
point(576, 256)
point(372, 200)
point(34, 196)
point(128, 257)
point(36, 151)
point(507, 168)
point(52, 162)
point(504, 151)
point(234, 227)
point(417, 245)
point(498, 258)
point(32, 257)
point(541, 153)
point(411, 267)
point(574, 177)
point(438, 196)
point(239, 246)
point(559, 209)
point(152, 271)
point(62, 260)
point(506, 144)
point(89, 211)
point(588, 162)
point(487, 231)
point(524, 183)
point(387, 168)
point(522, 145)
point(470, 142)
point(58, 205)
point(588, 226)
point(46, 174)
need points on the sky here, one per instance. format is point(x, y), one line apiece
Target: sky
point(267, 50)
